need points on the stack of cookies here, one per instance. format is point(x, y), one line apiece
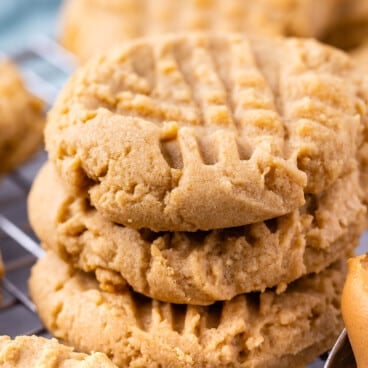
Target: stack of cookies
point(200, 200)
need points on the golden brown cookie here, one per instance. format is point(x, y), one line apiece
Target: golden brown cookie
point(353, 10)
point(252, 330)
point(38, 352)
point(203, 132)
point(360, 77)
point(21, 119)
point(360, 56)
point(201, 267)
point(354, 307)
point(121, 20)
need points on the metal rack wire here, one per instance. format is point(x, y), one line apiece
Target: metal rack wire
point(19, 250)
point(45, 67)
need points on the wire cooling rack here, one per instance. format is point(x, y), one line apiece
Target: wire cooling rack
point(45, 66)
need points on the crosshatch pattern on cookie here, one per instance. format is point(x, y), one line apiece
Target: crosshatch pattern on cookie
point(252, 330)
point(199, 267)
point(170, 133)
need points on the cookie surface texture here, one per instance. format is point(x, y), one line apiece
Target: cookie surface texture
point(38, 352)
point(256, 330)
point(123, 20)
point(202, 267)
point(360, 57)
point(21, 119)
point(203, 132)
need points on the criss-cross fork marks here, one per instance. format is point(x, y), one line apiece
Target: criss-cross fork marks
point(218, 103)
point(154, 120)
point(247, 322)
point(232, 97)
point(182, 318)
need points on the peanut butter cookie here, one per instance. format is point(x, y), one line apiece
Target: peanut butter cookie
point(198, 132)
point(21, 119)
point(202, 267)
point(353, 10)
point(38, 352)
point(252, 330)
point(360, 77)
point(354, 304)
point(121, 20)
point(360, 56)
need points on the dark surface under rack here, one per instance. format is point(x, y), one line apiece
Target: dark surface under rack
point(45, 67)
point(17, 312)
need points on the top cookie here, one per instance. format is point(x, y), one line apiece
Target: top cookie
point(195, 131)
point(38, 352)
point(21, 119)
point(121, 20)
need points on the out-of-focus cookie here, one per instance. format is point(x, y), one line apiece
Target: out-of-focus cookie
point(202, 267)
point(347, 36)
point(21, 119)
point(258, 330)
point(351, 25)
point(38, 352)
point(354, 307)
point(201, 131)
point(121, 20)
point(360, 56)
point(352, 12)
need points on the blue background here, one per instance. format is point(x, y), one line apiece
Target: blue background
point(20, 20)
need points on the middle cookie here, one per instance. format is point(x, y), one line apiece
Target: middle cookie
point(202, 267)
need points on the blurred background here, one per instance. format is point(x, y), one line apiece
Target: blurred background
point(20, 20)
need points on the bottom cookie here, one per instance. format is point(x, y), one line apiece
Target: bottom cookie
point(33, 351)
point(251, 330)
